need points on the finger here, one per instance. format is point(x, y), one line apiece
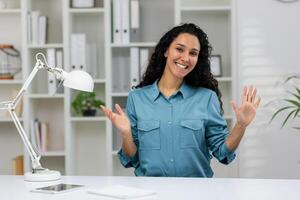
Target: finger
point(249, 94)
point(253, 95)
point(119, 109)
point(256, 104)
point(244, 99)
point(234, 106)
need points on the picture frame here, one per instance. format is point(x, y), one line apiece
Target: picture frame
point(216, 65)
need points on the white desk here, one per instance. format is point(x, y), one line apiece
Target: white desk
point(15, 188)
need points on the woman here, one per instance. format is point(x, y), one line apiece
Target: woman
point(173, 122)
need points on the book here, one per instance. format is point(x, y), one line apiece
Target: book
point(18, 165)
point(121, 192)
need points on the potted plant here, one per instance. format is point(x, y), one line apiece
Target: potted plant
point(293, 104)
point(86, 104)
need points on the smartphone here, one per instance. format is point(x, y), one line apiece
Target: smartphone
point(57, 189)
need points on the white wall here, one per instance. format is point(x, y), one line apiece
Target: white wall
point(268, 41)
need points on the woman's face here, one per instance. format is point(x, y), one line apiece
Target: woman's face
point(182, 55)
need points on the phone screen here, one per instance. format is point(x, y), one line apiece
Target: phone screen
point(57, 188)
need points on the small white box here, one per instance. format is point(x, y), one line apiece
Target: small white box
point(83, 3)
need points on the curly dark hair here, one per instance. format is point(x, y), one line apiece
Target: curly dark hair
point(200, 76)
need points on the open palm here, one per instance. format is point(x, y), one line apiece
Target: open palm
point(246, 112)
point(119, 119)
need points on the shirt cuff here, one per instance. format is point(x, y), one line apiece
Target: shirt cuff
point(228, 156)
point(128, 161)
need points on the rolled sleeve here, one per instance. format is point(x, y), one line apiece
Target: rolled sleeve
point(217, 132)
point(125, 160)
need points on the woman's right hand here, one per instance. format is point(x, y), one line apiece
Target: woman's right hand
point(119, 119)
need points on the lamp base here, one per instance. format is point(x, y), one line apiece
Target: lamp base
point(42, 175)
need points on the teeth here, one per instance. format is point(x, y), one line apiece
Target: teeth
point(181, 66)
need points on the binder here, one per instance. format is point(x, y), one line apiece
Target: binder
point(59, 64)
point(134, 21)
point(134, 66)
point(35, 24)
point(125, 21)
point(42, 26)
point(144, 59)
point(74, 52)
point(81, 50)
point(52, 82)
point(116, 4)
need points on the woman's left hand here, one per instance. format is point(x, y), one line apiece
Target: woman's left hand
point(246, 112)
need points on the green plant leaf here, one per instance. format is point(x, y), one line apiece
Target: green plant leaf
point(286, 119)
point(278, 111)
point(294, 102)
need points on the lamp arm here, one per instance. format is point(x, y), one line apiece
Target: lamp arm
point(34, 155)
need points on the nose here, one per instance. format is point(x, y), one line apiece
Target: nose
point(185, 57)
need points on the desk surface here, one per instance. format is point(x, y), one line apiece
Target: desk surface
point(14, 187)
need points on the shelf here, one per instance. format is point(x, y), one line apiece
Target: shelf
point(10, 11)
point(45, 46)
point(99, 80)
point(86, 10)
point(88, 119)
point(119, 94)
point(224, 79)
point(205, 8)
point(53, 153)
point(9, 120)
point(11, 82)
point(45, 96)
point(138, 44)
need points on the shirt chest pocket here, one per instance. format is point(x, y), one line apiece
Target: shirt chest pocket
point(192, 134)
point(149, 135)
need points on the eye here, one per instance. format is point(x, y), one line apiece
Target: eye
point(194, 53)
point(179, 49)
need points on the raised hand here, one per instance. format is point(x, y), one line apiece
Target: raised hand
point(119, 119)
point(246, 112)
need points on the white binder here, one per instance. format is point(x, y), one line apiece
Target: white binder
point(52, 82)
point(134, 66)
point(116, 4)
point(125, 21)
point(134, 21)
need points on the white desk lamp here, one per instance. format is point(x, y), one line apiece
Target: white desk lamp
point(79, 80)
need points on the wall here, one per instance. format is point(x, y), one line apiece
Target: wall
point(268, 47)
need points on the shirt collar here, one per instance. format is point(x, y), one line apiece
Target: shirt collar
point(184, 89)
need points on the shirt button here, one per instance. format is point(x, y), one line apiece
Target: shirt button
point(169, 123)
point(171, 160)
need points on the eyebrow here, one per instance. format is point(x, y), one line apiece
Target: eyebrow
point(194, 49)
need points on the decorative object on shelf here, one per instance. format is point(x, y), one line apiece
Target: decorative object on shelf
point(83, 3)
point(216, 65)
point(294, 104)
point(10, 61)
point(76, 79)
point(86, 104)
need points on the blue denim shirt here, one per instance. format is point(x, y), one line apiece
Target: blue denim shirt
point(176, 136)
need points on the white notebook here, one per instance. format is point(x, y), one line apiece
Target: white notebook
point(121, 192)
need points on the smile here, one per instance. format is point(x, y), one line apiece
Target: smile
point(182, 66)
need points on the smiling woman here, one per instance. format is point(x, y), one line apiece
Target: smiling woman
point(173, 123)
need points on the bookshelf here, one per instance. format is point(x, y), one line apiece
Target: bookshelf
point(88, 145)
point(216, 18)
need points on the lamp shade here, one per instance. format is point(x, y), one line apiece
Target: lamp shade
point(79, 80)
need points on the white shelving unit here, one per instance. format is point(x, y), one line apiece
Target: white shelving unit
point(88, 145)
point(215, 17)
